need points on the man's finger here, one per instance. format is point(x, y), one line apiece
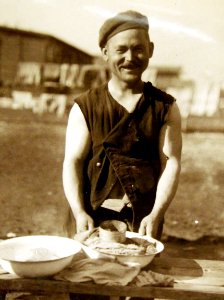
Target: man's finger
point(142, 228)
point(91, 226)
point(149, 231)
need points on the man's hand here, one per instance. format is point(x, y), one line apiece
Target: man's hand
point(84, 222)
point(149, 226)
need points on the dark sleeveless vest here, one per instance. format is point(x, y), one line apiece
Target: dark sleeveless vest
point(125, 146)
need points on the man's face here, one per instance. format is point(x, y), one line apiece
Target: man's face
point(127, 54)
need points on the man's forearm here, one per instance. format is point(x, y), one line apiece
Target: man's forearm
point(166, 188)
point(73, 186)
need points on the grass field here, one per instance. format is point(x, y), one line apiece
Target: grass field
point(32, 198)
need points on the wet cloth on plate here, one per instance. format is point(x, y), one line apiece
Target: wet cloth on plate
point(108, 272)
point(100, 271)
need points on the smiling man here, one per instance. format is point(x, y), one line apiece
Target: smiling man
point(123, 140)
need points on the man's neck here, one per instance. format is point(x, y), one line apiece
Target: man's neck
point(125, 89)
point(127, 96)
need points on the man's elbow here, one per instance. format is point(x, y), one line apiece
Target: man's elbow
point(73, 163)
point(67, 163)
point(174, 165)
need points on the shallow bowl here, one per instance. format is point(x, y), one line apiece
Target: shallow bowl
point(140, 260)
point(37, 255)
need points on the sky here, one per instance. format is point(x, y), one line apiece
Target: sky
point(186, 33)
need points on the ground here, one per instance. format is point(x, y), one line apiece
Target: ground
point(33, 202)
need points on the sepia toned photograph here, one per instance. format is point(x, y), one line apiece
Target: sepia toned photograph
point(111, 146)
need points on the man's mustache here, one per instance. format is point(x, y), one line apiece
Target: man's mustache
point(130, 65)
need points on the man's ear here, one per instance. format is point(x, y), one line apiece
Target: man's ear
point(104, 53)
point(151, 49)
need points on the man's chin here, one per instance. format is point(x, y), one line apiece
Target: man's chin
point(131, 79)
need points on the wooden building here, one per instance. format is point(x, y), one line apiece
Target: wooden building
point(20, 46)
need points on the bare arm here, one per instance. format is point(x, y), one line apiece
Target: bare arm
point(77, 147)
point(170, 156)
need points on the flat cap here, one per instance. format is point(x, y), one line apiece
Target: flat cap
point(123, 21)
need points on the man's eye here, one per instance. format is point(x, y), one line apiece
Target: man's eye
point(139, 49)
point(121, 50)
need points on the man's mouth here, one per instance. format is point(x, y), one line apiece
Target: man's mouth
point(130, 67)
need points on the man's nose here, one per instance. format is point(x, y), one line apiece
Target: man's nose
point(129, 55)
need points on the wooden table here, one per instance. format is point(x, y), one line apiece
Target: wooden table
point(195, 280)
